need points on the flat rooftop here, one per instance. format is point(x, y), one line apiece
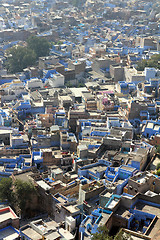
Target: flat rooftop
point(52, 235)
point(104, 219)
point(43, 185)
point(147, 208)
point(127, 168)
point(24, 176)
point(72, 208)
point(5, 131)
point(78, 91)
point(66, 234)
point(155, 230)
point(29, 232)
point(97, 169)
point(8, 233)
point(7, 213)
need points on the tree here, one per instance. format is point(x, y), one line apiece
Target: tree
point(158, 149)
point(19, 58)
point(6, 192)
point(158, 172)
point(81, 85)
point(158, 166)
point(19, 194)
point(24, 192)
point(69, 84)
point(121, 235)
point(103, 234)
point(39, 45)
point(152, 62)
point(59, 43)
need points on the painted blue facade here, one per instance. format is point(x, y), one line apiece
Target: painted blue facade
point(135, 164)
point(124, 87)
point(11, 164)
point(24, 235)
point(87, 172)
point(20, 143)
point(26, 108)
point(91, 223)
point(94, 146)
point(2, 81)
point(8, 229)
point(137, 217)
point(62, 50)
point(1, 121)
point(124, 173)
point(99, 134)
point(140, 219)
point(61, 120)
point(5, 119)
point(115, 198)
point(85, 125)
point(41, 141)
point(37, 157)
point(150, 130)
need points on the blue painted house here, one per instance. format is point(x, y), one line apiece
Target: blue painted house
point(95, 170)
point(91, 223)
point(150, 128)
point(123, 173)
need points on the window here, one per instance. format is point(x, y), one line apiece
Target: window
point(135, 190)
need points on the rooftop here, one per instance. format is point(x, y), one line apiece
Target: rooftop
point(72, 209)
point(7, 213)
point(43, 185)
point(25, 176)
point(32, 234)
point(9, 233)
point(147, 208)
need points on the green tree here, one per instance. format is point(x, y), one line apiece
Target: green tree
point(154, 61)
point(158, 166)
point(6, 192)
point(158, 149)
point(68, 84)
point(158, 172)
point(19, 58)
point(39, 45)
point(122, 236)
point(102, 234)
point(24, 191)
point(59, 43)
point(80, 85)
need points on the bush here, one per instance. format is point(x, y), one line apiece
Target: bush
point(158, 166)
point(152, 62)
point(158, 172)
point(158, 149)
